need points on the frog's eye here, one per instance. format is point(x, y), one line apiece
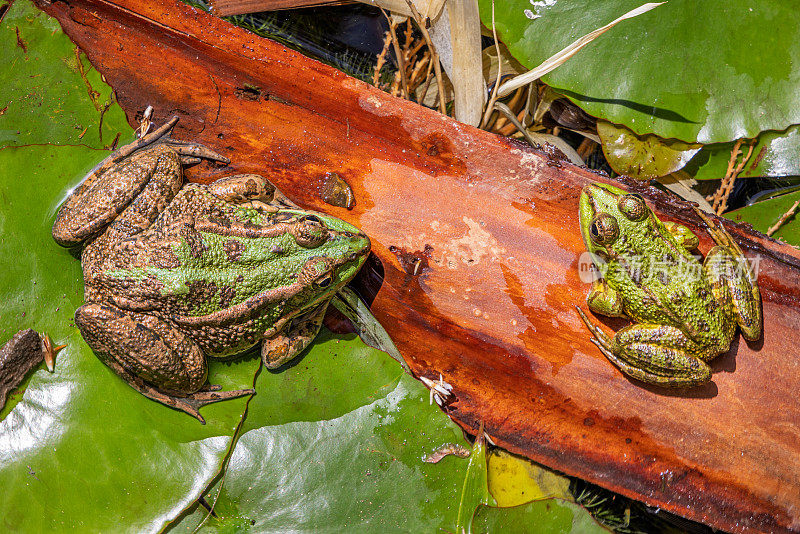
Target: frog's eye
point(604, 229)
point(309, 231)
point(325, 280)
point(633, 207)
point(312, 219)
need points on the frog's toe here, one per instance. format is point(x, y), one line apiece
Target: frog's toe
point(291, 341)
point(210, 394)
point(192, 153)
point(600, 338)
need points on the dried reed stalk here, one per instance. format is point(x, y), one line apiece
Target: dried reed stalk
point(785, 217)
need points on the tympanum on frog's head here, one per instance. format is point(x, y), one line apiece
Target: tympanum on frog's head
point(174, 273)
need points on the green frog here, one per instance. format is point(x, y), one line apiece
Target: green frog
point(175, 273)
point(685, 313)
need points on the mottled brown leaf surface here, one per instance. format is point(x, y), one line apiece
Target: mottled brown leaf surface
point(479, 243)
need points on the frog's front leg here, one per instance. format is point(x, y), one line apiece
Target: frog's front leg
point(682, 235)
point(152, 356)
point(291, 340)
point(657, 354)
point(603, 299)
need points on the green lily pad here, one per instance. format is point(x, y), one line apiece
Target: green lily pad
point(336, 444)
point(774, 155)
point(705, 72)
point(543, 517)
point(50, 92)
point(642, 157)
point(764, 214)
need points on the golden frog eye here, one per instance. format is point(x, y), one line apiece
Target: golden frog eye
point(633, 207)
point(604, 229)
point(309, 231)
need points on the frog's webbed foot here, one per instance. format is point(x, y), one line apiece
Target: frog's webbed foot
point(189, 404)
point(193, 153)
point(210, 394)
point(718, 232)
point(292, 340)
point(656, 354)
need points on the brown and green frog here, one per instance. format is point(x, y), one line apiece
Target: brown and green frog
point(176, 273)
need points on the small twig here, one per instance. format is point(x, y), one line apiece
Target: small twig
point(720, 198)
point(395, 88)
point(502, 108)
point(376, 76)
point(401, 67)
point(508, 129)
point(417, 71)
point(493, 99)
point(428, 79)
point(409, 40)
point(417, 48)
point(512, 105)
point(434, 55)
point(785, 217)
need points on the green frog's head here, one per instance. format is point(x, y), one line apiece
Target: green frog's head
point(612, 220)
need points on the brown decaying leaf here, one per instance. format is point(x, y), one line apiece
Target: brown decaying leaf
point(456, 450)
point(223, 8)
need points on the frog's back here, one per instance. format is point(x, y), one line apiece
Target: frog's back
point(183, 271)
point(665, 284)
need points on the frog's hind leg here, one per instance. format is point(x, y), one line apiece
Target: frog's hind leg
point(152, 357)
point(732, 279)
point(292, 339)
point(733, 284)
point(656, 354)
point(126, 194)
